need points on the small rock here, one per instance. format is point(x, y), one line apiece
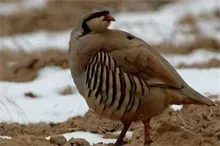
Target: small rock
point(30, 94)
point(59, 140)
point(68, 90)
point(77, 142)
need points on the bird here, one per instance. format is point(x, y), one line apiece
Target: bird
point(121, 77)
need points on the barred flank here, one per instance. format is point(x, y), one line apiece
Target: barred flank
point(111, 87)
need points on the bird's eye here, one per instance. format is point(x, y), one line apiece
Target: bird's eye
point(130, 37)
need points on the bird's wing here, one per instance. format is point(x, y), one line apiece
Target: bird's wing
point(146, 63)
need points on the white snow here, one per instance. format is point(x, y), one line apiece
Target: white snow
point(50, 106)
point(161, 26)
point(176, 107)
point(5, 137)
point(205, 81)
point(12, 8)
point(197, 56)
point(210, 27)
point(93, 138)
point(36, 41)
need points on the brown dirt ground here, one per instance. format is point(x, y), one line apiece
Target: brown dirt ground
point(194, 125)
point(25, 66)
point(207, 43)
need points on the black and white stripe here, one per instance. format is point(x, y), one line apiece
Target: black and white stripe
point(112, 88)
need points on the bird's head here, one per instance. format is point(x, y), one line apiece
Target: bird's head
point(97, 22)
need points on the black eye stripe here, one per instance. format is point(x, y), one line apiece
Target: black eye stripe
point(96, 15)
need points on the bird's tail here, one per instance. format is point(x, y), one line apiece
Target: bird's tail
point(190, 93)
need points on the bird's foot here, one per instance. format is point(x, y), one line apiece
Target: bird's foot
point(148, 142)
point(120, 143)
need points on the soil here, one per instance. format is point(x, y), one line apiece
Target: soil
point(208, 43)
point(22, 67)
point(193, 125)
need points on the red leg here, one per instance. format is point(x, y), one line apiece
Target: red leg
point(146, 123)
point(123, 132)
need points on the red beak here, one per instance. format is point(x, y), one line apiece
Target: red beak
point(108, 18)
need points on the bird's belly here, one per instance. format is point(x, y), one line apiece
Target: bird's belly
point(151, 105)
point(110, 111)
point(151, 110)
point(154, 103)
point(102, 108)
point(106, 110)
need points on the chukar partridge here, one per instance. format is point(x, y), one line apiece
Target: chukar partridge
point(121, 77)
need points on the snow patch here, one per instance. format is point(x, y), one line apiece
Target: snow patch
point(5, 137)
point(176, 107)
point(48, 106)
point(93, 138)
point(36, 41)
point(90, 137)
point(160, 26)
point(205, 81)
point(197, 56)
